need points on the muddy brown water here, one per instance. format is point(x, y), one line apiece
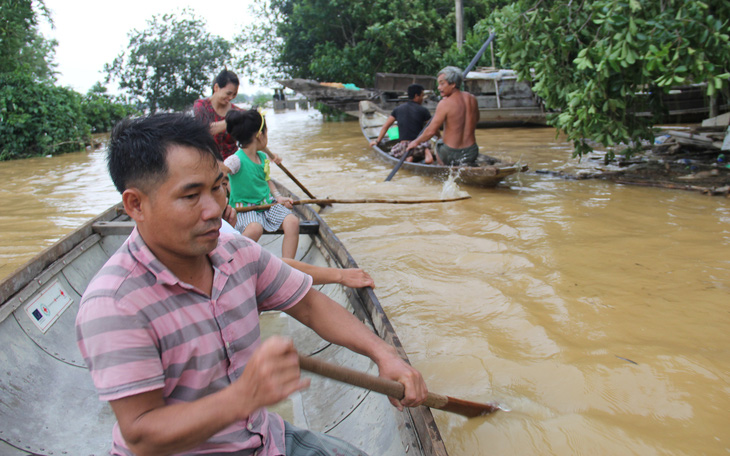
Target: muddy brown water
point(598, 313)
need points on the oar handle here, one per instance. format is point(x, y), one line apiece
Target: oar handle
point(371, 382)
point(296, 181)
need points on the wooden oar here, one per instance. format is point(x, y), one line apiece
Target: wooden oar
point(326, 202)
point(392, 388)
point(468, 69)
point(296, 181)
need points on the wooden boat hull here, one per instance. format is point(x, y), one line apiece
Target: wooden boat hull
point(48, 404)
point(488, 173)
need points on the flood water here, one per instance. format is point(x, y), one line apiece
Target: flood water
point(597, 313)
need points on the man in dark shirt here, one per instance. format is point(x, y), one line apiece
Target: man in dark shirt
point(411, 118)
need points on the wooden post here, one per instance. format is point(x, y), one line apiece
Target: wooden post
point(459, 24)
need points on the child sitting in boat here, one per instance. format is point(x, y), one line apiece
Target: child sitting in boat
point(251, 184)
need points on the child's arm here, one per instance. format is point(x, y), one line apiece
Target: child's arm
point(288, 202)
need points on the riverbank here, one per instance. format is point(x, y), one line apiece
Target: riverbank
point(678, 161)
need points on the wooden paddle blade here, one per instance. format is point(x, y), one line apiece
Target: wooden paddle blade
point(467, 408)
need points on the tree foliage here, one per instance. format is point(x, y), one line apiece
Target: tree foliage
point(38, 118)
point(349, 41)
point(102, 111)
point(475, 37)
point(600, 62)
point(23, 48)
point(170, 63)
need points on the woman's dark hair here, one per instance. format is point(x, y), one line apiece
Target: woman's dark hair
point(224, 78)
point(137, 149)
point(244, 125)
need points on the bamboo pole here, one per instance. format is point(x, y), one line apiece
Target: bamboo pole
point(328, 201)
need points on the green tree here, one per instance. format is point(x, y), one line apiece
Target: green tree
point(22, 47)
point(600, 62)
point(261, 98)
point(38, 118)
point(170, 63)
point(349, 41)
point(102, 111)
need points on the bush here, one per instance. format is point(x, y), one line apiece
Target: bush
point(102, 111)
point(38, 118)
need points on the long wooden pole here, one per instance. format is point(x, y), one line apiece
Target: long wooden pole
point(329, 201)
point(392, 388)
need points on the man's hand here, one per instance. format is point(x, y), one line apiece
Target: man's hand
point(229, 215)
point(355, 278)
point(412, 145)
point(396, 369)
point(271, 375)
point(373, 143)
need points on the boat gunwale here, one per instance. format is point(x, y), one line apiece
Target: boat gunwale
point(34, 267)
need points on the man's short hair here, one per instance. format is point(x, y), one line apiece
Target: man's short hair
point(452, 75)
point(414, 90)
point(137, 150)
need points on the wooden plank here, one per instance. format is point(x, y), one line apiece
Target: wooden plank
point(125, 228)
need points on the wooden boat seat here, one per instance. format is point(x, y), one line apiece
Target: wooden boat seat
point(125, 228)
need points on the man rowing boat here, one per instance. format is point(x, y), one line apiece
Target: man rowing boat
point(169, 327)
point(458, 112)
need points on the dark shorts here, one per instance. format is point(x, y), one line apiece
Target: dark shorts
point(457, 157)
point(301, 442)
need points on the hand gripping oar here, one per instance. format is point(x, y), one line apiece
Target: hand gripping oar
point(330, 201)
point(468, 69)
point(392, 388)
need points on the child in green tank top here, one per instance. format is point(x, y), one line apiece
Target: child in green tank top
point(251, 183)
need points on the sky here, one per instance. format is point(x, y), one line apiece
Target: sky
point(92, 33)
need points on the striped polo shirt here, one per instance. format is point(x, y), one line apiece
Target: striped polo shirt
point(140, 329)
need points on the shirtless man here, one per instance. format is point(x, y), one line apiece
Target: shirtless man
point(458, 113)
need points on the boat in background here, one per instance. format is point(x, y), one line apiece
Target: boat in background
point(49, 406)
point(502, 99)
point(488, 171)
point(337, 96)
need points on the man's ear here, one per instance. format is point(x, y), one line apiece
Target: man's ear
point(133, 199)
